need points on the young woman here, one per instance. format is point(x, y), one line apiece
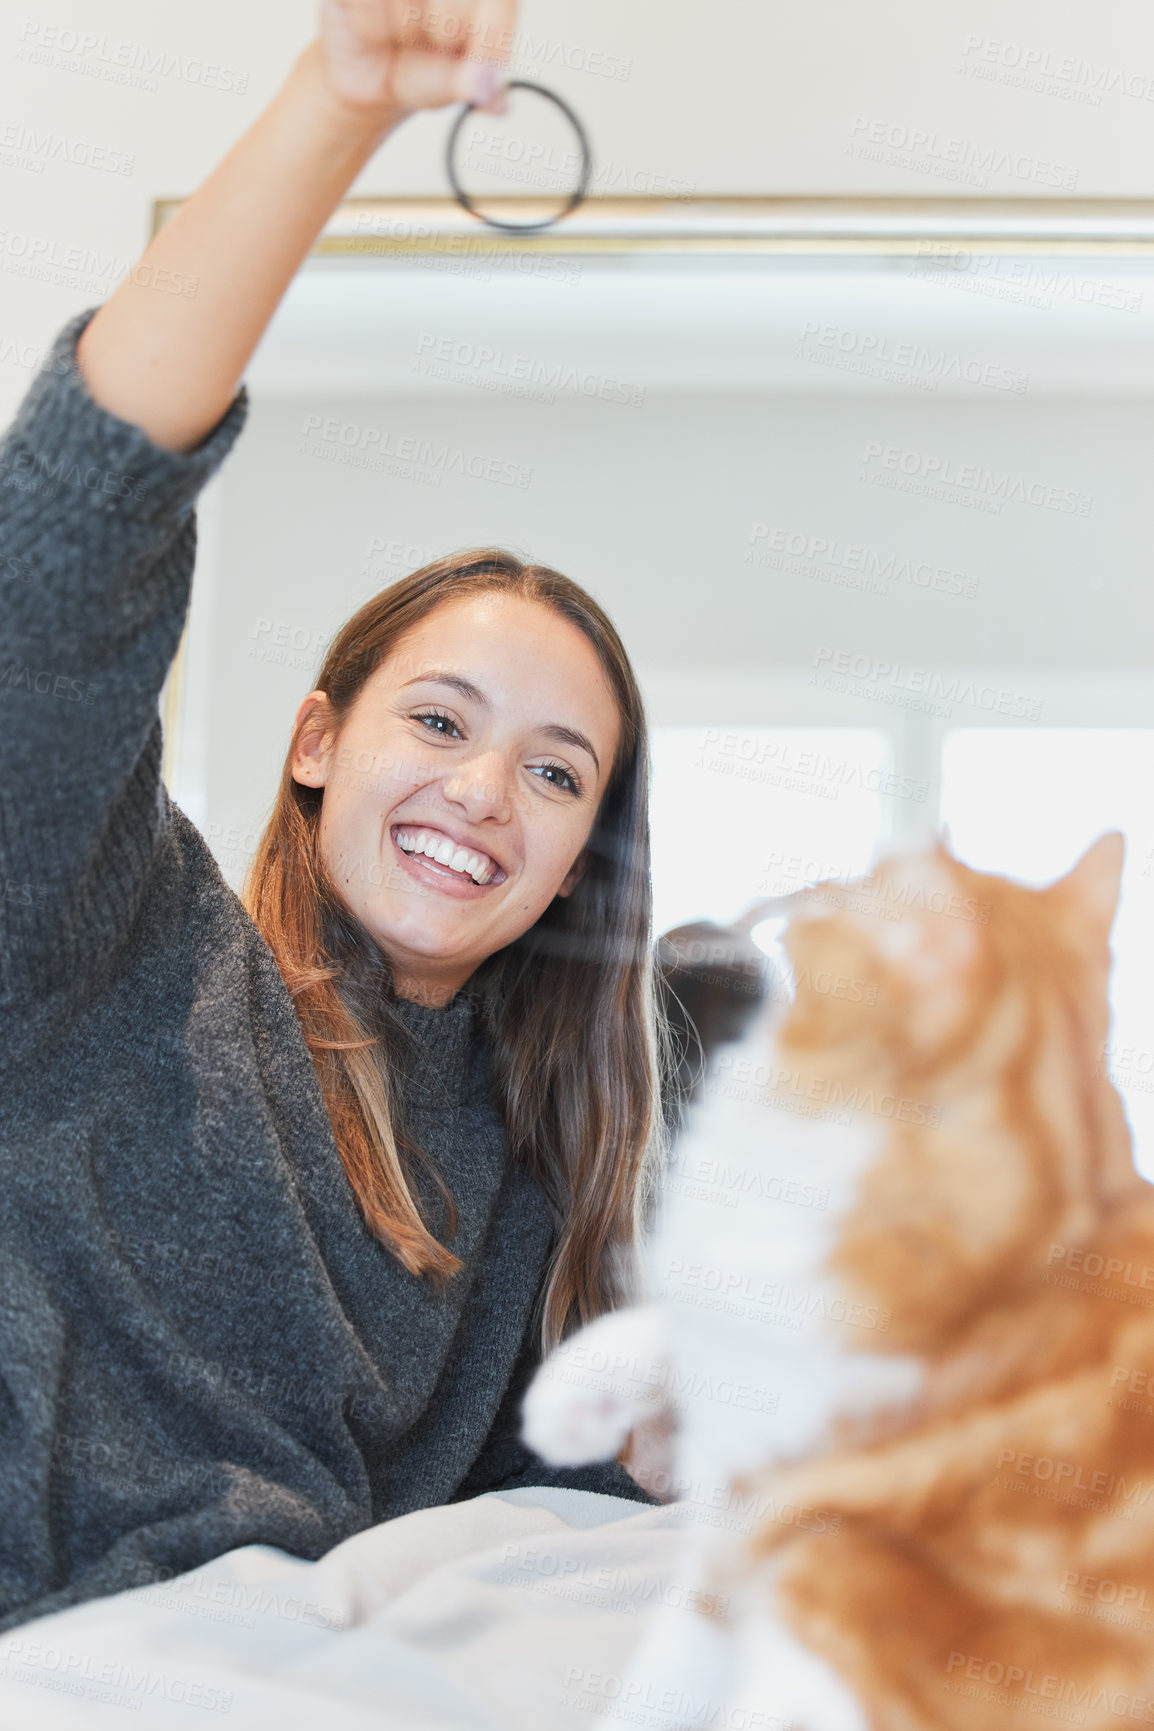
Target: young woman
point(298, 1188)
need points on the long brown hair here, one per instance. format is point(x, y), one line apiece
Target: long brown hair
point(569, 1007)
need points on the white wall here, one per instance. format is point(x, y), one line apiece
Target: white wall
point(654, 509)
point(732, 96)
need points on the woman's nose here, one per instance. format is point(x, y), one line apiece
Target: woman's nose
point(482, 786)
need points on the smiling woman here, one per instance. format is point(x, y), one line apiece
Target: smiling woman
point(329, 1166)
point(466, 823)
point(465, 801)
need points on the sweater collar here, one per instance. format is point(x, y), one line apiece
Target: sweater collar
point(440, 1072)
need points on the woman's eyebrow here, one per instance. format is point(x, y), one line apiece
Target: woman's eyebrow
point(473, 694)
point(464, 687)
point(570, 736)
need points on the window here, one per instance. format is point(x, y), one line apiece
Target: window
point(1027, 803)
point(739, 813)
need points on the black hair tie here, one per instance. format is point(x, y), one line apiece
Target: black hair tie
point(575, 197)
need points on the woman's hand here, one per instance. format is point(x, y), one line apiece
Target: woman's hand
point(171, 362)
point(392, 55)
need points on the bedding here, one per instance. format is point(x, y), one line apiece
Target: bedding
point(513, 1611)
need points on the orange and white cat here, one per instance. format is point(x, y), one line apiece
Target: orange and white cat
point(900, 1295)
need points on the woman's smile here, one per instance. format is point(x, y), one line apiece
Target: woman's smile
point(444, 861)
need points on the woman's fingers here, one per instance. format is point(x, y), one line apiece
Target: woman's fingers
point(495, 22)
point(425, 80)
point(453, 27)
point(418, 54)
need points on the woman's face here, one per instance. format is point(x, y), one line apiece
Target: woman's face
point(464, 784)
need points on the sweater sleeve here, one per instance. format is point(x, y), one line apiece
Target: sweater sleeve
point(505, 1463)
point(97, 547)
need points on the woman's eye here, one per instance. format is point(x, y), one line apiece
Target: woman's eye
point(558, 776)
point(434, 722)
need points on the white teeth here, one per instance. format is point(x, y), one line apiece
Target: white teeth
point(438, 847)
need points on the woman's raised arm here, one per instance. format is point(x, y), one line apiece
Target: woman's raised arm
point(171, 363)
point(101, 468)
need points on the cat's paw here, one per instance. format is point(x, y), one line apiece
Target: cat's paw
point(589, 1394)
point(569, 1426)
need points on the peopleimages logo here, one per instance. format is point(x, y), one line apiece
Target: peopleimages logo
point(769, 1080)
point(965, 1672)
point(983, 56)
point(846, 560)
point(925, 365)
point(987, 484)
point(138, 64)
point(488, 367)
point(931, 152)
point(80, 267)
point(409, 456)
point(37, 148)
point(1023, 281)
point(781, 763)
point(482, 39)
point(1075, 1475)
point(890, 681)
point(118, 1683)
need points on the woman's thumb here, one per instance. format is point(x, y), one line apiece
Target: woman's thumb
point(423, 80)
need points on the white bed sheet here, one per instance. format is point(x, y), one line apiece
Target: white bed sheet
point(515, 1611)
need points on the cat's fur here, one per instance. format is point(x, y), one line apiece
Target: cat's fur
point(901, 1298)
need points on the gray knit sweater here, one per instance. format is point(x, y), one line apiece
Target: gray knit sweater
point(201, 1344)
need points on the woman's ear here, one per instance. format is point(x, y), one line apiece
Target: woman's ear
point(310, 758)
point(573, 876)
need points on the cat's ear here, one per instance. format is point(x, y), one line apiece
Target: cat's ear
point(1093, 884)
